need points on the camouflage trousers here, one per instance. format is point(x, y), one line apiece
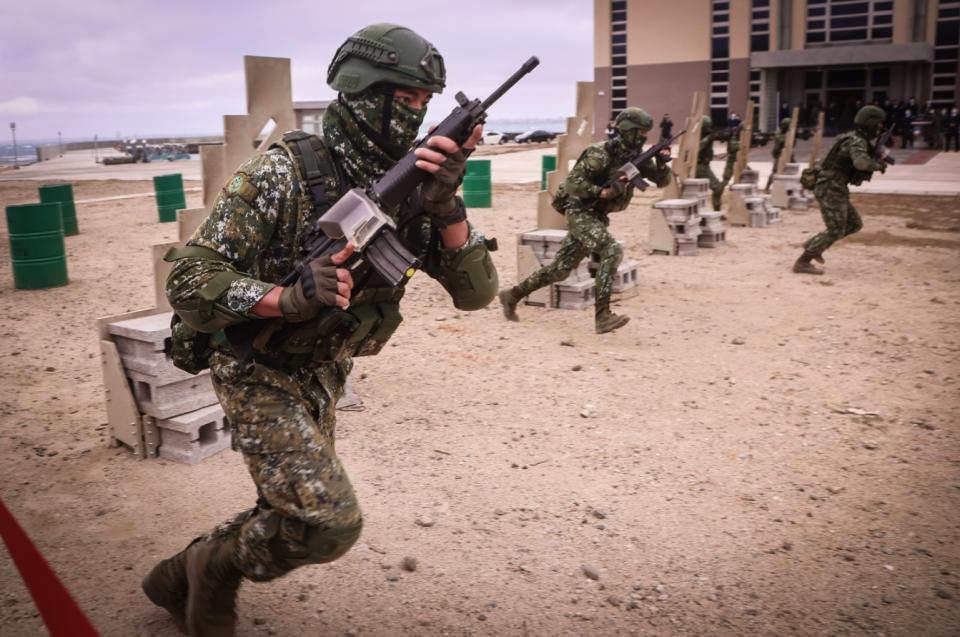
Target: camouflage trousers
point(586, 233)
point(306, 510)
point(839, 215)
point(716, 186)
point(728, 170)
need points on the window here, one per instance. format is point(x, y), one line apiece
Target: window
point(618, 5)
point(761, 15)
point(844, 21)
point(719, 76)
point(812, 80)
point(945, 67)
point(619, 38)
point(720, 65)
point(721, 30)
point(849, 9)
point(880, 77)
point(721, 47)
point(945, 80)
point(760, 42)
point(619, 60)
point(847, 78)
point(881, 33)
point(619, 49)
point(618, 16)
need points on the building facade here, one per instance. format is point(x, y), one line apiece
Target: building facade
point(830, 55)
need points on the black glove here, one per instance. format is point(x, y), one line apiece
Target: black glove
point(315, 290)
point(438, 195)
point(615, 189)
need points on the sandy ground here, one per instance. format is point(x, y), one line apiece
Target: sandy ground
point(756, 453)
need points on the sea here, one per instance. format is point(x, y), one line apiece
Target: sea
point(27, 149)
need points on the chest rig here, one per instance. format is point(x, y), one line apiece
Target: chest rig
point(374, 313)
point(838, 162)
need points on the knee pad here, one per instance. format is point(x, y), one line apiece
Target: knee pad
point(471, 279)
point(327, 543)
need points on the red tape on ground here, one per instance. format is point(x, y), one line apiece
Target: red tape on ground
point(60, 612)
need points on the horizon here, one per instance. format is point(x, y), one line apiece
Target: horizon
point(114, 67)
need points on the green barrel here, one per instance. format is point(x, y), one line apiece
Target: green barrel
point(170, 196)
point(37, 248)
point(477, 184)
point(62, 194)
point(548, 163)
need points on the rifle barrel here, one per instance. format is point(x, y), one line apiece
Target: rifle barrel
point(527, 66)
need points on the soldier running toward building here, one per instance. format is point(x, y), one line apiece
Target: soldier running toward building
point(281, 404)
point(586, 198)
point(704, 157)
point(852, 160)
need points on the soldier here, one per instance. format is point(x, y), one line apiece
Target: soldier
point(586, 199)
point(704, 157)
point(280, 405)
point(733, 149)
point(851, 160)
point(779, 141)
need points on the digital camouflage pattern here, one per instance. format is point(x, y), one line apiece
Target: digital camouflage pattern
point(849, 161)
point(733, 149)
point(285, 424)
point(578, 198)
point(283, 418)
point(704, 157)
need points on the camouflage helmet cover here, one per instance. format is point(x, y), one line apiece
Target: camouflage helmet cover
point(631, 118)
point(386, 53)
point(706, 124)
point(785, 123)
point(869, 116)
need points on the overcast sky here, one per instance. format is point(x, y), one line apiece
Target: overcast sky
point(176, 66)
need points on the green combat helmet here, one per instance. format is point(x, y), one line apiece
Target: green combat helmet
point(706, 125)
point(785, 124)
point(631, 118)
point(870, 118)
point(386, 53)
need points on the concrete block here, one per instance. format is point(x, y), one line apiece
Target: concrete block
point(627, 276)
point(695, 186)
point(712, 221)
point(162, 399)
point(687, 247)
point(575, 295)
point(792, 169)
point(711, 239)
point(749, 176)
point(193, 436)
point(151, 329)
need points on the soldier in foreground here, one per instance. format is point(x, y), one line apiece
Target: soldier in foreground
point(733, 149)
point(704, 157)
point(779, 142)
point(586, 198)
point(851, 160)
point(281, 404)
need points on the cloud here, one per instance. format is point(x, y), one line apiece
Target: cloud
point(20, 106)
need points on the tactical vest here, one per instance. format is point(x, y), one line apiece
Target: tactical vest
point(361, 330)
point(838, 165)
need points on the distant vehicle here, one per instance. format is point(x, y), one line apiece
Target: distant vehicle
point(536, 136)
point(509, 137)
point(492, 137)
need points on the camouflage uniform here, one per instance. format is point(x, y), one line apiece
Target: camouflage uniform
point(733, 149)
point(704, 157)
point(281, 404)
point(578, 198)
point(779, 143)
point(850, 161)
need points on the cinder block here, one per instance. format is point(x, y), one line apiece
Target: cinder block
point(792, 169)
point(749, 176)
point(711, 239)
point(627, 276)
point(575, 295)
point(687, 248)
point(162, 399)
point(712, 221)
point(193, 436)
point(152, 329)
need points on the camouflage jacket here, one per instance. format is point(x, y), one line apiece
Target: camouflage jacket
point(594, 168)
point(258, 224)
point(779, 141)
point(705, 154)
point(733, 147)
point(849, 161)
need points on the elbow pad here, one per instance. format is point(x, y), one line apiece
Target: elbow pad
point(470, 278)
point(205, 314)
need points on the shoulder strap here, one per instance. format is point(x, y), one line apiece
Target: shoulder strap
point(313, 165)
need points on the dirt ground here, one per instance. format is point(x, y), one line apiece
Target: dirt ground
point(756, 453)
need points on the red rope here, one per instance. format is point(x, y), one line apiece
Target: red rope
point(60, 612)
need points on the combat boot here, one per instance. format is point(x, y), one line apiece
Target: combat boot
point(803, 265)
point(213, 579)
point(607, 321)
point(509, 298)
point(166, 586)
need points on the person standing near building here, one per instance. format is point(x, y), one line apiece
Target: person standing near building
point(852, 159)
point(733, 149)
point(666, 127)
point(779, 142)
point(951, 130)
point(281, 403)
point(586, 198)
point(704, 157)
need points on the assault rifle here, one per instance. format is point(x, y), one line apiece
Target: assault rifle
point(631, 169)
point(881, 147)
point(359, 217)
